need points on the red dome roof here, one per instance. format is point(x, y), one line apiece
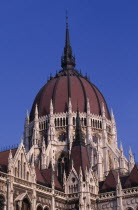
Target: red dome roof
point(69, 84)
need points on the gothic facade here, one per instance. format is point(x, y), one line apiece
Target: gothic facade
point(69, 156)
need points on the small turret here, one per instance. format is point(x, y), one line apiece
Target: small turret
point(121, 149)
point(131, 160)
point(103, 110)
point(27, 119)
point(36, 112)
point(88, 106)
point(51, 107)
point(112, 116)
point(36, 122)
point(119, 193)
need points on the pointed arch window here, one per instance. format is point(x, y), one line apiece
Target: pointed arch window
point(62, 166)
point(26, 204)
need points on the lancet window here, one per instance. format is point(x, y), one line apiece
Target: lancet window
point(62, 166)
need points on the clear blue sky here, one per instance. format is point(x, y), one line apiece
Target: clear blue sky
point(104, 37)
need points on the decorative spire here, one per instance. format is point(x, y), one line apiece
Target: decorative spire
point(79, 139)
point(80, 175)
point(10, 156)
point(131, 156)
point(103, 110)
point(67, 60)
point(27, 118)
point(88, 106)
point(51, 107)
point(121, 148)
point(36, 112)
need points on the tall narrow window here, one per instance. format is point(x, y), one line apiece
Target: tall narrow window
point(21, 165)
point(62, 166)
point(18, 168)
point(24, 170)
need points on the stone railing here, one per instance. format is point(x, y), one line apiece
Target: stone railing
point(74, 195)
point(43, 189)
point(60, 194)
point(107, 195)
point(130, 191)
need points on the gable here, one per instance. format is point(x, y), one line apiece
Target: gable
point(20, 165)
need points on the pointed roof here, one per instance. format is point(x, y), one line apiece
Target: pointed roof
point(67, 60)
point(79, 154)
point(79, 139)
point(44, 177)
point(110, 182)
point(127, 181)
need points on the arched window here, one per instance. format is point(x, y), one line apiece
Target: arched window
point(63, 121)
point(46, 124)
point(26, 204)
point(93, 124)
point(100, 124)
point(73, 120)
point(60, 121)
point(39, 208)
point(46, 208)
point(96, 123)
point(1, 202)
point(62, 166)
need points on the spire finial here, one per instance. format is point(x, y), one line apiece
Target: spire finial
point(66, 19)
point(67, 60)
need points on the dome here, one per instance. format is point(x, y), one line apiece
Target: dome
point(65, 85)
point(69, 83)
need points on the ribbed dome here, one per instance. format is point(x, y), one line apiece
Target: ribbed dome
point(69, 84)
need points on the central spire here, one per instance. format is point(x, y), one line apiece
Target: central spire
point(67, 60)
